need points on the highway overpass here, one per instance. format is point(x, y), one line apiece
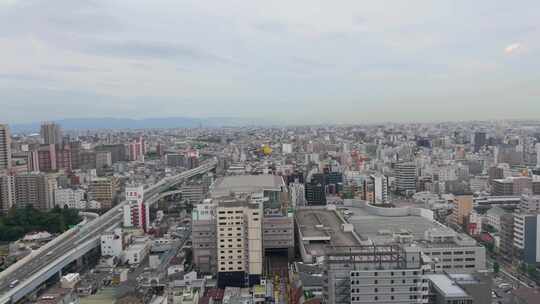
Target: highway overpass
point(41, 264)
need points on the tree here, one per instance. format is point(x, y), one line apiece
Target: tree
point(496, 267)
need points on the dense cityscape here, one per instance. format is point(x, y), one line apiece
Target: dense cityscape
point(375, 213)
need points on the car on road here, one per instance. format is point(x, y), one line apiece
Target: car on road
point(13, 283)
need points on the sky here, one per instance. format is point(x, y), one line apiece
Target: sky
point(301, 61)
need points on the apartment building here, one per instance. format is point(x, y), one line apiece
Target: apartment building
point(103, 190)
point(239, 243)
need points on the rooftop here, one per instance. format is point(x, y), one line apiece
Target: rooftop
point(246, 184)
point(446, 286)
point(323, 225)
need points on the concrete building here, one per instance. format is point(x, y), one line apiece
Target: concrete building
point(239, 239)
point(7, 193)
point(112, 243)
point(271, 192)
point(51, 133)
point(5, 148)
point(461, 209)
point(494, 216)
point(374, 274)
point(136, 212)
point(35, 189)
point(472, 288)
point(103, 190)
point(103, 159)
point(506, 248)
point(194, 193)
point(137, 252)
point(203, 233)
point(527, 237)
point(406, 177)
point(529, 204)
point(69, 198)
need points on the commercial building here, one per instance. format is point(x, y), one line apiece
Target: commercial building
point(529, 204)
point(51, 133)
point(136, 211)
point(103, 160)
point(203, 234)
point(374, 274)
point(527, 237)
point(5, 148)
point(479, 141)
point(406, 177)
point(271, 192)
point(239, 239)
point(474, 288)
point(112, 243)
point(376, 189)
point(103, 190)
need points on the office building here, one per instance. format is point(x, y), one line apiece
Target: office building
point(203, 233)
point(316, 190)
point(118, 151)
point(374, 274)
point(102, 190)
point(506, 248)
point(406, 178)
point(239, 243)
point(175, 160)
point(5, 148)
point(136, 212)
point(527, 237)
point(51, 133)
point(479, 141)
point(375, 189)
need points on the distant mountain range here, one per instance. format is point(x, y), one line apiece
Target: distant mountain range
point(146, 123)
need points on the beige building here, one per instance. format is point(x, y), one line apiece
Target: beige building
point(462, 207)
point(239, 243)
point(103, 190)
point(7, 193)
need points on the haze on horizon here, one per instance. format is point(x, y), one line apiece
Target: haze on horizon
point(292, 61)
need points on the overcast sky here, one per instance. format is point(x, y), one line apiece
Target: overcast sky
point(300, 61)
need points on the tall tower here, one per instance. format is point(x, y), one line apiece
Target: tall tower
point(5, 148)
point(51, 133)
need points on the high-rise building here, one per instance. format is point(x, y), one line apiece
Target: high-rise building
point(316, 190)
point(137, 149)
point(51, 133)
point(461, 209)
point(527, 238)
point(406, 177)
point(203, 233)
point(69, 198)
point(5, 148)
point(377, 187)
point(136, 212)
point(34, 189)
point(239, 243)
point(7, 192)
point(479, 141)
point(102, 190)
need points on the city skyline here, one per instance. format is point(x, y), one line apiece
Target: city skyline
point(298, 63)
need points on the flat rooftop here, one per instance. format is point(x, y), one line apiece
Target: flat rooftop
point(246, 184)
point(379, 228)
point(446, 286)
point(323, 225)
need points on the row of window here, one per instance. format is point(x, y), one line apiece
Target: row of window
point(449, 252)
point(403, 273)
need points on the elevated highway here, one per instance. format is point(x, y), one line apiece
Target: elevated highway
point(33, 270)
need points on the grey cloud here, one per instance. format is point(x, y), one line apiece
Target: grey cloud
point(153, 50)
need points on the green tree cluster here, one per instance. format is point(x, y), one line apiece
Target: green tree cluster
point(20, 221)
